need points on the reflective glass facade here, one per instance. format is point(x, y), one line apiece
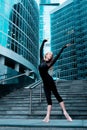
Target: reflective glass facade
point(19, 28)
point(44, 19)
point(80, 10)
point(41, 23)
point(68, 25)
point(45, 22)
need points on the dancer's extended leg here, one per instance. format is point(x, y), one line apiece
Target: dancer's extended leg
point(65, 112)
point(47, 118)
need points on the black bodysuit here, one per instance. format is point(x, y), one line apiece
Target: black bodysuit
point(49, 84)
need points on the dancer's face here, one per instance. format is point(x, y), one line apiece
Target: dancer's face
point(48, 56)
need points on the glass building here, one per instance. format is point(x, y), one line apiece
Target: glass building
point(45, 7)
point(41, 37)
point(19, 36)
point(80, 11)
point(42, 32)
point(68, 25)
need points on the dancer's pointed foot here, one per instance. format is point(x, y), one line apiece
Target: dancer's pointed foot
point(67, 116)
point(46, 119)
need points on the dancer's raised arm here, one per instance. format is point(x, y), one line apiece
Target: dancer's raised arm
point(58, 55)
point(41, 49)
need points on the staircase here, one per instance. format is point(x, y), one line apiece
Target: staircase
point(15, 106)
point(74, 94)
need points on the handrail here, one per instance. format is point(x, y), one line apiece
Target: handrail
point(33, 86)
point(13, 77)
point(16, 76)
point(56, 73)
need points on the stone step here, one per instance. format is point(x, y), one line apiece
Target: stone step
point(57, 107)
point(16, 105)
point(83, 94)
point(39, 108)
point(38, 94)
point(43, 112)
point(26, 103)
point(55, 113)
point(14, 116)
point(70, 99)
point(67, 105)
point(42, 105)
point(33, 116)
point(34, 124)
point(35, 98)
point(64, 92)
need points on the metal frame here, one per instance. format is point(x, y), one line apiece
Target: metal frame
point(49, 4)
point(31, 87)
point(27, 73)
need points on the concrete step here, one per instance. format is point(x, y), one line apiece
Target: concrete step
point(40, 109)
point(38, 124)
point(56, 108)
point(43, 112)
point(60, 112)
point(16, 105)
point(71, 94)
point(66, 93)
point(42, 106)
point(36, 100)
point(33, 116)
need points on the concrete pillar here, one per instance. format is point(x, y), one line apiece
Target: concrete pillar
point(17, 67)
point(27, 72)
point(2, 60)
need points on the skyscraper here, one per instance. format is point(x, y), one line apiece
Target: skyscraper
point(19, 36)
point(68, 25)
point(80, 16)
point(42, 16)
point(45, 8)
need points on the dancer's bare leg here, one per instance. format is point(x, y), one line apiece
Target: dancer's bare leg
point(47, 118)
point(65, 112)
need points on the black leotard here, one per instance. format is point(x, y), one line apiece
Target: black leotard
point(49, 84)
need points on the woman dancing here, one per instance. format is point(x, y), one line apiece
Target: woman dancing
point(49, 85)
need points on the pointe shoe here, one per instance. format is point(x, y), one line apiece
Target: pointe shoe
point(67, 116)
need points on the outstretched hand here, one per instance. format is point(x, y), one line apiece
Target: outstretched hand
point(69, 44)
point(45, 40)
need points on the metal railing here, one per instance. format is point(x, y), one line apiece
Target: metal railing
point(13, 77)
point(16, 76)
point(57, 72)
point(33, 86)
